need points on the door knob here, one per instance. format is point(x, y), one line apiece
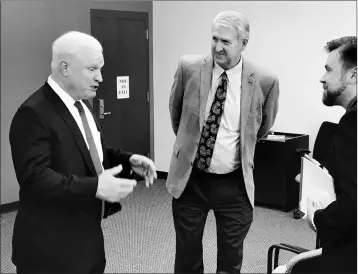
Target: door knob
point(107, 113)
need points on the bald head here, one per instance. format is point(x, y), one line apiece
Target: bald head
point(77, 60)
point(70, 44)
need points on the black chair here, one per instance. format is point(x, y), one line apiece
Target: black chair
point(321, 148)
point(305, 262)
point(324, 141)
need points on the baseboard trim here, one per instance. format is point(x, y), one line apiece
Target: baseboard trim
point(162, 175)
point(9, 207)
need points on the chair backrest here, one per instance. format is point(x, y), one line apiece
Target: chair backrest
point(323, 141)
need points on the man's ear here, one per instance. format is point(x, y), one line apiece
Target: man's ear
point(354, 75)
point(64, 68)
point(244, 43)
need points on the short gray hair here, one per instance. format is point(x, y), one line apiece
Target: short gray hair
point(69, 44)
point(234, 20)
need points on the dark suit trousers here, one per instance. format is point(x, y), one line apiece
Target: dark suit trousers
point(226, 195)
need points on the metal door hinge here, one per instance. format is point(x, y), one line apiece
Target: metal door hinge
point(147, 33)
point(148, 97)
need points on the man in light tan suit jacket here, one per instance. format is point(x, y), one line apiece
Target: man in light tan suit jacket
point(220, 106)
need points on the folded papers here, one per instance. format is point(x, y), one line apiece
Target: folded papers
point(316, 183)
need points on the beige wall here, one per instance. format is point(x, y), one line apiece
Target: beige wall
point(27, 31)
point(286, 38)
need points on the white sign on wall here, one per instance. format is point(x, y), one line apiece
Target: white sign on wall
point(122, 87)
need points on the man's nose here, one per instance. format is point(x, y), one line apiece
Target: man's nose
point(218, 47)
point(99, 77)
point(323, 78)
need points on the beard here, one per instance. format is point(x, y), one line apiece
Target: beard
point(329, 97)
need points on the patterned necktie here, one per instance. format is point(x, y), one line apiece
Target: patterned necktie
point(211, 126)
point(91, 144)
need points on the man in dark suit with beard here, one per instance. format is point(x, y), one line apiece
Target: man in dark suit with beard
point(336, 223)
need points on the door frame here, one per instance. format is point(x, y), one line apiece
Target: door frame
point(147, 17)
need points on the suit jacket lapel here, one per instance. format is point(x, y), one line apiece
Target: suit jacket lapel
point(62, 110)
point(247, 88)
point(205, 85)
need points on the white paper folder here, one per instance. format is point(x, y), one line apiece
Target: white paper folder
point(316, 183)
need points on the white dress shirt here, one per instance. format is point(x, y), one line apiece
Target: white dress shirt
point(70, 104)
point(225, 155)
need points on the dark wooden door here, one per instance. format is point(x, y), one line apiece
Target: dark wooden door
point(126, 119)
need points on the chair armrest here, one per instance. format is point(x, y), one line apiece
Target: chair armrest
point(294, 248)
point(276, 248)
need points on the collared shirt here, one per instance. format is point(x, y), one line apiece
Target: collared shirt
point(225, 155)
point(70, 104)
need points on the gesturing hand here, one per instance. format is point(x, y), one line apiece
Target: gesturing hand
point(112, 189)
point(144, 167)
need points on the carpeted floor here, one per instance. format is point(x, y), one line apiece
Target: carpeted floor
point(141, 238)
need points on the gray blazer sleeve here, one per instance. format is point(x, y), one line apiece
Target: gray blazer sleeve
point(269, 110)
point(176, 98)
